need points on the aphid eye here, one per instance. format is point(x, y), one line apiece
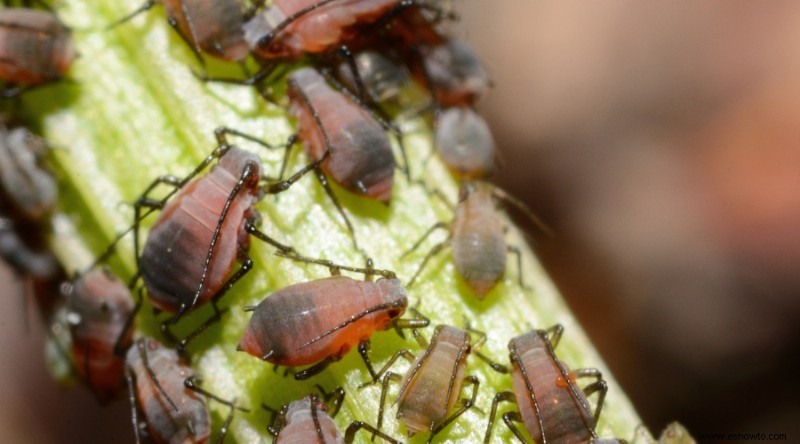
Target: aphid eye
point(393, 313)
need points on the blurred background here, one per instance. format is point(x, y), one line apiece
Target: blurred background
point(661, 142)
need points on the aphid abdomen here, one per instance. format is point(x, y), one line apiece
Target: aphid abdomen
point(32, 189)
point(563, 420)
point(479, 249)
point(99, 305)
point(214, 26)
point(455, 73)
point(164, 424)
point(301, 429)
point(298, 324)
point(430, 393)
point(465, 142)
point(361, 156)
point(174, 256)
point(35, 47)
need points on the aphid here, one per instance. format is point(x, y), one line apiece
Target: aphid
point(307, 421)
point(35, 49)
point(452, 72)
point(318, 322)
point(373, 76)
point(464, 142)
point(210, 26)
point(361, 158)
point(432, 388)
point(30, 188)
point(552, 407)
point(477, 238)
point(203, 230)
point(98, 307)
point(164, 396)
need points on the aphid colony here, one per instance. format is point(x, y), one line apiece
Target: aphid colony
point(358, 56)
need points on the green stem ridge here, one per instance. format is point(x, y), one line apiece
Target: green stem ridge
point(135, 112)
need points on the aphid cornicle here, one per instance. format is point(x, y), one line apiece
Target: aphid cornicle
point(213, 27)
point(307, 420)
point(552, 407)
point(203, 230)
point(98, 306)
point(31, 189)
point(35, 49)
point(477, 238)
point(432, 387)
point(318, 322)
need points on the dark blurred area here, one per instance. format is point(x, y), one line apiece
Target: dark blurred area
point(661, 142)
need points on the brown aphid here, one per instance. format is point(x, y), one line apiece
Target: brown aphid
point(432, 388)
point(203, 230)
point(213, 27)
point(552, 407)
point(172, 413)
point(289, 29)
point(361, 158)
point(318, 322)
point(31, 189)
point(465, 143)
point(477, 237)
point(307, 421)
point(35, 49)
point(98, 307)
point(452, 72)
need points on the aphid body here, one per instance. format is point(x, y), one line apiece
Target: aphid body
point(164, 423)
point(307, 421)
point(465, 143)
point(35, 47)
point(173, 258)
point(478, 243)
point(212, 26)
point(382, 78)
point(361, 158)
point(453, 72)
point(31, 189)
point(327, 24)
point(429, 391)
point(544, 403)
point(323, 319)
point(98, 306)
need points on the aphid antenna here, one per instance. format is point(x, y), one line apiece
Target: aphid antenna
point(146, 6)
point(141, 347)
point(336, 268)
point(193, 383)
point(402, 353)
point(333, 399)
point(504, 196)
point(132, 400)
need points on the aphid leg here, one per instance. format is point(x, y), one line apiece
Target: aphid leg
point(498, 398)
point(363, 350)
point(599, 386)
point(183, 343)
point(515, 251)
point(501, 194)
point(436, 192)
point(253, 80)
point(434, 251)
point(553, 334)
point(355, 426)
point(283, 185)
point(323, 180)
point(466, 405)
point(221, 133)
point(418, 321)
point(119, 347)
point(250, 227)
point(500, 368)
point(405, 354)
point(510, 419)
point(193, 383)
point(145, 7)
point(347, 55)
point(146, 202)
point(132, 399)
point(315, 369)
point(326, 263)
point(436, 226)
point(223, 431)
point(388, 377)
point(333, 400)
point(173, 23)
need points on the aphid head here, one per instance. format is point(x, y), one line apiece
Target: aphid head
point(394, 295)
